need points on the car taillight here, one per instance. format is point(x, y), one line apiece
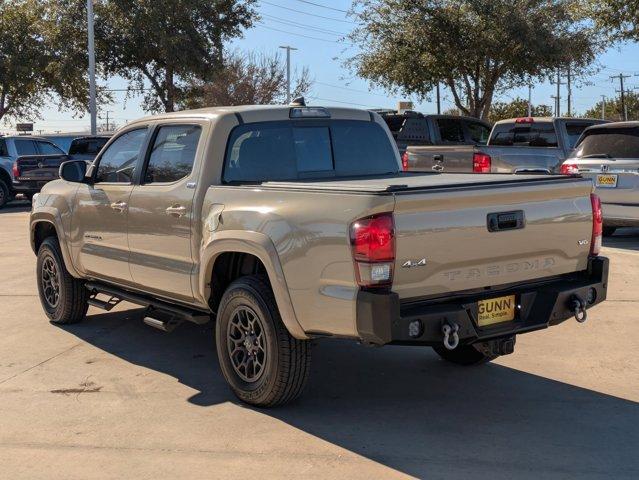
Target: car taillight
point(481, 163)
point(15, 170)
point(405, 161)
point(569, 169)
point(597, 225)
point(373, 247)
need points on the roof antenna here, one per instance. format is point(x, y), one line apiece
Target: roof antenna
point(298, 102)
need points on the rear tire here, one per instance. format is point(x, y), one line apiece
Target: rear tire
point(5, 194)
point(63, 297)
point(609, 231)
point(263, 364)
point(464, 355)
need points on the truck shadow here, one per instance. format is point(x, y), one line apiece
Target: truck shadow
point(625, 238)
point(404, 408)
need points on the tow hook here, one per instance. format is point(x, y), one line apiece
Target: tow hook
point(578, 306)
point(450, 331)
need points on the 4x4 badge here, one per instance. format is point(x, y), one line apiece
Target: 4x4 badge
point(414, 263)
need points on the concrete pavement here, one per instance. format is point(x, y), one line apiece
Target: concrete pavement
point(113, 398)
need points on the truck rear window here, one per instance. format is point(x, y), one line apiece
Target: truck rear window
point(524, 135)
point(293, 150)
point(615, 142)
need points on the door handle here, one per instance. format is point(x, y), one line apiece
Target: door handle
point(176, 211)
point(119, 206)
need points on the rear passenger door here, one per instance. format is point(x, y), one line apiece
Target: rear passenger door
point(161, 213)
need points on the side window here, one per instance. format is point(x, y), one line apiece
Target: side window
point(119, 161)
point(478, 132)
point(451, 130)
point(48, 148)
point(4, 152)
point(414, 131)
point(173, 153)
point(25, 147)
point(574, 131)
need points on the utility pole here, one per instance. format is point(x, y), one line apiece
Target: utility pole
point(603, 107)
point(92, 102)
point(530, 100)
point(288, 49)
point(569, 92)
point(107, 120)
point(622, 91)
point(557, 97)
point(439, 101)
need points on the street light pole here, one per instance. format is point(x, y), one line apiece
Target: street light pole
point(603, 107)
point(92, 101)
point(288, 49)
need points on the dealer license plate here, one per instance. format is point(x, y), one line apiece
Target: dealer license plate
point(496, 310)
point(606, 181)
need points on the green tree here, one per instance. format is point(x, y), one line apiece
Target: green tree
point(167, 43)
point(39, 58)
point(476, 48)
point(618, 18)
point(613, 110)
point(246, 79)
point(516, 108)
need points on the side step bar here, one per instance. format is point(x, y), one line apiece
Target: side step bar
point(160, 314)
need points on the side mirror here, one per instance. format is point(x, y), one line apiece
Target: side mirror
point(73, 171)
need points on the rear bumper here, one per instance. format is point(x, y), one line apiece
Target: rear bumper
point(383, 319)
point(29, 186)
point(619, 215)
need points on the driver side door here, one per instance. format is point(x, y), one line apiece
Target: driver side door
point(100, 220)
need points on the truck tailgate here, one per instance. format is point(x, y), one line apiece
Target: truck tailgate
point(450, 230)
point(39, 168)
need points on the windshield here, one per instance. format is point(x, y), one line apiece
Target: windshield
point(293, 150)
point(524, 135)
point(613, 142)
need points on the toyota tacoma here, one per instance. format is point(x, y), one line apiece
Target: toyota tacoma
point(287, 223)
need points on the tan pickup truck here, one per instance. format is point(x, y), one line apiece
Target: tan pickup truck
point(288, 223)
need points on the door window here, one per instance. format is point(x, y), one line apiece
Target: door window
point(173, 153)
point(478, 132)
point(451, 130)
point(48, 148)
point(25, 147)
point(118, 163)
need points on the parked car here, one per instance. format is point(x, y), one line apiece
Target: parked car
point(529, 144)
point(291, 223)
point(86, 148)
point(26, 164)
point(609, 155)
point(436, 142)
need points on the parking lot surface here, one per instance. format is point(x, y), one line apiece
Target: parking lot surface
point(114, 398)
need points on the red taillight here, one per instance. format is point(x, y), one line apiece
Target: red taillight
point(481, 163)
point(405, 161)
point(15, 170)
point(525, 120)
point(373, 247)
point(569, 169)
point(597, 225)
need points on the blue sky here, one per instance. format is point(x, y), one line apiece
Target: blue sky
point(315, 30)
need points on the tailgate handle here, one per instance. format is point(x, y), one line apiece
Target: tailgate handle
point(500, 221)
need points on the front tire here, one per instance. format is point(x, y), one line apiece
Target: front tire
point(263, 364)
point(5, 194)
point(63, 297)
point(464, 355)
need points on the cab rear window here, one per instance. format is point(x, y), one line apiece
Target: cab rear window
point(524, 135)
point(294, 150)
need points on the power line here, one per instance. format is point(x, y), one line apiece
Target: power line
point(339, 101)
point(309, 14)
point(301, 35)
point(323, 6)
point(302, 25)
point(351, 89)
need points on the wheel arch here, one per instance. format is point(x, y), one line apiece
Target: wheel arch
point(43, 225)
point(256, 246)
